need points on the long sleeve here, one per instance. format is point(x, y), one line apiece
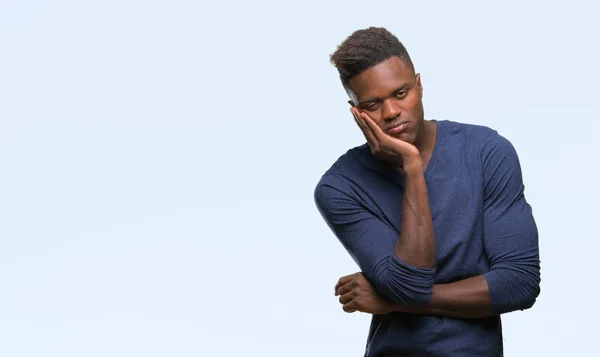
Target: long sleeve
point(510, 233)
point(370, 242)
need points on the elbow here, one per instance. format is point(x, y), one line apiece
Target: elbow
point(529, 297)
point(403, 284)
point(513, 288)
point(529, 284)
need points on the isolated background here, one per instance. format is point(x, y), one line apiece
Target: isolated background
point(158, 161)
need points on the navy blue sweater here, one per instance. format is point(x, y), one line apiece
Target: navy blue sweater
point(482, 223)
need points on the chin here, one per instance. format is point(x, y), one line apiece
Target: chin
point(407, 137)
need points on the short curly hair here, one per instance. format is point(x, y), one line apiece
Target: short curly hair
point(364, 49)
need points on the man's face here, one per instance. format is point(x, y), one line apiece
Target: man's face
point(390, 93)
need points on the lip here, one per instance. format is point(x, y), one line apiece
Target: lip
point(397, 129)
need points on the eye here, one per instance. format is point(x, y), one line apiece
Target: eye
point(401, 94)
point(370, 107)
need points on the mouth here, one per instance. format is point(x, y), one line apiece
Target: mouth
point(397, 129)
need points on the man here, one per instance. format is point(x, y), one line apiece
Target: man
point(433, 212)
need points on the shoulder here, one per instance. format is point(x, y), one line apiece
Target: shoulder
point(348, 164)
point(481, 139)
point(347, 168)
point(471, 132)
point(496, 156)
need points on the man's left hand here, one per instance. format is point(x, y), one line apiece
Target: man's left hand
point(358, 294)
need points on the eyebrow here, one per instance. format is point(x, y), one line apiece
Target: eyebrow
point(370, 100)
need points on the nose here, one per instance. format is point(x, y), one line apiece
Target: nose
point(391, 109)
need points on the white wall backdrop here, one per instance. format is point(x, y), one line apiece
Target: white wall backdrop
point(158, 161)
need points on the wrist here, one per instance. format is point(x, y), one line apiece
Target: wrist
point(413, 165)
point(390, 307)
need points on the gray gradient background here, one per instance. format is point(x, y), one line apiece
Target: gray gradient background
point(158, 161)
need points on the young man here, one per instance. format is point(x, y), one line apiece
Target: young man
point(433, 212)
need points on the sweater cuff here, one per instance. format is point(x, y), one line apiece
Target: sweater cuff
point(511, 290)
point(403, 283)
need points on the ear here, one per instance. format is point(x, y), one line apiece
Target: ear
point(419, 84)
point(350, 95)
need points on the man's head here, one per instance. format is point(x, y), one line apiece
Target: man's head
point(379, 77)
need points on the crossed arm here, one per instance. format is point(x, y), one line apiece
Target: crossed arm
point(510, 241)
point(467, 298)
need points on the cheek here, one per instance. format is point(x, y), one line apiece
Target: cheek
point(415, 106)
point(375, 115)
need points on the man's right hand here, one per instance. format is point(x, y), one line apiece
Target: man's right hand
point(399, 153)
point(357, 293)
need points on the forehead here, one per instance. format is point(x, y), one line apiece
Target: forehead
point(381, 79)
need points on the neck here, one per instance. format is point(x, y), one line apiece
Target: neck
point(426, 138)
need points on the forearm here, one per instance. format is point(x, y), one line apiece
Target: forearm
point(416, 243)
point(407, 276)
point(469, 298)
point(473, 297)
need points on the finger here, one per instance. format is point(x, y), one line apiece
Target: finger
point(349, 307)
point(355, 116)
point(385, 140)
point(346, 298)
point(369, 131)
point(363, 125)
point(346, 288)
point(363, 130)
point(376, 131)
point(343, 280)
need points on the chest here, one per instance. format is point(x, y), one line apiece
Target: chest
point(456, 203)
